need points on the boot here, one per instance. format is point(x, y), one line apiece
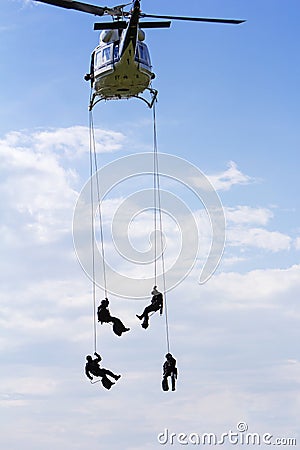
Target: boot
point(145, 324)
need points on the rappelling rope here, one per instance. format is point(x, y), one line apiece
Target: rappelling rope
point(99, 206)
point(155, 170)
point(91, 144)
point(94, 174)
point(157, 207)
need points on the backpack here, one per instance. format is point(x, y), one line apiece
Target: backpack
point(165, 384)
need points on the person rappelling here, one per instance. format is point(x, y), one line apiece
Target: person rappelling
point(105, 317)
point(156, 304)
point(169, 370)
point(92, 367)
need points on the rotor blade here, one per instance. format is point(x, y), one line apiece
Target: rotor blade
point(194, 19)
point(117, 25)
point(155, 24)
point(78, 6)
point(122, 24)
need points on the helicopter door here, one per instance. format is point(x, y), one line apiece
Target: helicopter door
point(104, 58)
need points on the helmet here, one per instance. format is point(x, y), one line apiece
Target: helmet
point(155, 291)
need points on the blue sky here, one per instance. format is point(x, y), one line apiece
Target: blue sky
point(228, 104)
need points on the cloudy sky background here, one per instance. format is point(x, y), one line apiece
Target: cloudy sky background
point(228, 104)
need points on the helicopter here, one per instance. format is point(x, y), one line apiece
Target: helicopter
point(120, 65)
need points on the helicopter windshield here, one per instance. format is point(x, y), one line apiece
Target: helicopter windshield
point(142, 54)
point(106, 54)
point(103, 56)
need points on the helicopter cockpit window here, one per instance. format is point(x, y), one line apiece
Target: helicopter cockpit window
point(116, 52)
point(98, 59)
point(142, 54)
point(106, 54)
point(103, 57)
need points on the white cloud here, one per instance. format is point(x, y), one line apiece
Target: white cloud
point(223, 181)
point(36, 190)
point(74, 141)
point(273, 241)
point(230, 261)
point(71, 142)
point(257, 288)
point(241, 232)
point(246, 214)
point(297, 243)
point(223, 330)
point(27, 386)
point(37, 186)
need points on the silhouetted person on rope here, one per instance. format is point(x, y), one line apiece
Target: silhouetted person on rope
point(92, 367)
point(169, 370)
point(104, 316)
point(156, 304)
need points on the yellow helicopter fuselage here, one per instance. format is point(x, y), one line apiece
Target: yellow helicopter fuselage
point(122, 76)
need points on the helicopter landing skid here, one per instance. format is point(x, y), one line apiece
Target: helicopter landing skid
point(150, 103)
point(153, 93)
